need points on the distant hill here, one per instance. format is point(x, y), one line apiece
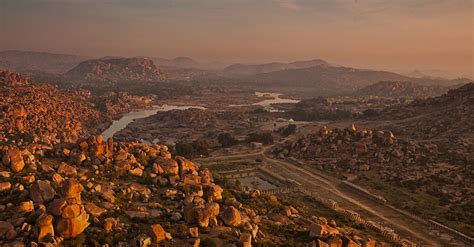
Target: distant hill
point(399, 89)
point(31, 111)
point(30, 61)
point(115, 70)
point(178, 62)
point(252, 69)
point(175, 63)
point(435, 73)
point(330, 80)
point(324, 80)
point(451, 114)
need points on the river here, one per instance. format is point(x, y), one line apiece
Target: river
point(267, 104)
point(120, 124)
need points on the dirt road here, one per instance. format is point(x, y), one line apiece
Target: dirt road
point(328, 187)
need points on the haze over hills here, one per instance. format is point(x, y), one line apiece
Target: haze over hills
point(179, 62)
point(327, 80)
point(401, 89)
point(447, 115)
point(29, 61)
point(252, 69)
point(304, 78)
point(436, 73)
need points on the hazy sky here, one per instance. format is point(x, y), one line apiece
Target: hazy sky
point(384, 34)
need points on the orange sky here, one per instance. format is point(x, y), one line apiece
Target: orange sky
point(397, 35)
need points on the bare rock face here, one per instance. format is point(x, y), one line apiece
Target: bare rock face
point(71, 188)
point(158, 233)
point(70, 216)
point(109, 147)
point(94, 210)
point(246, 240)
point(195, 215)
point(73, 221)
point(26, 207)
point(193, 190)
point(185, 166)
point(322, 229)
point(67, 170)
point(231, 217)
point(45, 226)
point(14, 159)
point(169, 166)
point(4, 186)
point(193, 232)
point(206, 176)
point(213, 192)
point(110, 224)
point(202, 215)
point(41, 192)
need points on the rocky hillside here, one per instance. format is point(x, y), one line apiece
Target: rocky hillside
point(91, 192)
point(113, 70)
point(72, 189)
point(252, 69)
point(186, 126)
point(40, 113)
point(448, 115)
point(401, 89)
point(428, 179)
point(178, 62)
point(28, 61)
point(115, 104)
point(323, 80)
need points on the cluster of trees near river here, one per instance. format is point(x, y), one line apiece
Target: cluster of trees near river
point(225, 140)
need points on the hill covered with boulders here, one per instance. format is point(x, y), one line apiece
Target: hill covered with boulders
point(113, 70)
point(96, 192)
point(430, 179)
point(400, 89)
point(41, 113)
point(62, 186)
point(448, 115)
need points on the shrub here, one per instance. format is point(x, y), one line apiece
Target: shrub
point(227, 140)
point(208, 242)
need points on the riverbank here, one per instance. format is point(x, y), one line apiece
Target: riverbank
point(267, 100)
point(127, 118)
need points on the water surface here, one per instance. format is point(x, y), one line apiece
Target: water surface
point(120, 124)
point(267, 103)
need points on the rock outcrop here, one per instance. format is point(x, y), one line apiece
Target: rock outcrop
point(113, 70)
point(41, 113)
point(402, 89)
point(42, 192)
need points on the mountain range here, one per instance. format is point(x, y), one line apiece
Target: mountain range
point(28, 61)
point(253, 69)
point(402, 89)
point(448, 115)
point(333, 80)
point(303, 78)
